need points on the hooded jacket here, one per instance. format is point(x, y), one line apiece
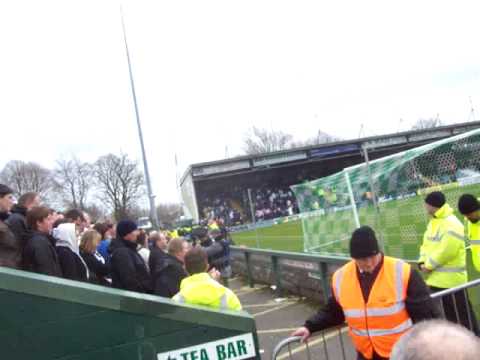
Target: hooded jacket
point(443, 250)
point(129, 271)
point(73, 266)
point(201, 289)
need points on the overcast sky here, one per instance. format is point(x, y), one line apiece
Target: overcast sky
point(207, 70)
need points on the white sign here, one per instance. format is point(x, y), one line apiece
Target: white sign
point(469, 180)
point(215, 169)
point(300, 264)
point(233, 348)
point(276, 159)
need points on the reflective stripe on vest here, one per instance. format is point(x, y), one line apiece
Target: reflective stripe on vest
point(180, 298)
point(338, 283)
point(224, 302)
point(377, 324)
point(444, 269)
point(390, 310)
point(383, 332)
point(456, 235)
point(437, 237)
point(475, 242)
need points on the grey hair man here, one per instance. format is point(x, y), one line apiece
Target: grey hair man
point(437, 340)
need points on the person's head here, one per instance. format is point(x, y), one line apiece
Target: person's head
point(196, 260)
point(434, 201)
point(142, 238)
point(74, 216)
point(6, 198)
point(102, 229)
point(215, 234)
point(159, 240)
point(56, 215)
point(364, 249)
point(57, 222)
point(89, 241)
point(86, 223)
point(469, 206)
point(127, 230)
point(29, 200)
point(437, 340)
point(178, 247)
point(40, 219)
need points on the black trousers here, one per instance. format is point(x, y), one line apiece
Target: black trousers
point(375, 357)
point(457, 309)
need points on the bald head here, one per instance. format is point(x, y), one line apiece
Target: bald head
point(437, 340)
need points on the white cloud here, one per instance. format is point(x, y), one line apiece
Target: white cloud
point(205, 71)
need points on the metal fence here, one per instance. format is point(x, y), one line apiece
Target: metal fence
point(454, 304)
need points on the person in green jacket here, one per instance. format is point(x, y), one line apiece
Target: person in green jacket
point(443, 259)
point(469, 206)
point(200, 288)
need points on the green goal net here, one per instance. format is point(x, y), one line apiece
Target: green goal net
point(388, 194)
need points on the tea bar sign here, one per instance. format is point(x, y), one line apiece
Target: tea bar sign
point(234, 348)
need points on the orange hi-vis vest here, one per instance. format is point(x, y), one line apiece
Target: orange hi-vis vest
point(379, 323)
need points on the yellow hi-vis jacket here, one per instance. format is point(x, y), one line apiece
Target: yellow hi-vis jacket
point(201, 289)
point(473, 233)
point(443, 250)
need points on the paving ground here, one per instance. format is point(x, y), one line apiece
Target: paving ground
point(277, 318)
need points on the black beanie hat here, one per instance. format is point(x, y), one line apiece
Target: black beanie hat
point(435, 199)
point(363, 243)
point(125, 227)
point(468, 204)
point(5, 190)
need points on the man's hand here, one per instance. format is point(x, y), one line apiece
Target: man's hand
point(215, 274)
point(303, 332)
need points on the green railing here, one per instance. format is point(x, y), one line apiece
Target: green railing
point(44, 317)
point(276, 256)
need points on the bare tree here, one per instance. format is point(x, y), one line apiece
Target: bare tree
point(75, 180)
point(320, 138)
point(421, 124)
point(120, 183)
point(95, 212)
point(259, 141)
point(169, 213)
point(28, 177)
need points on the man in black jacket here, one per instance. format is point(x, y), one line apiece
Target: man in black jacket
point(39, 254)
point(219, 255)
point(170, 272)
point(18, 219)
point(10, 253)
point(369, 262)
point(129, 271)
point(158, 253)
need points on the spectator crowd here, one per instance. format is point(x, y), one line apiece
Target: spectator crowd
point(36, 238)
point(269, 202)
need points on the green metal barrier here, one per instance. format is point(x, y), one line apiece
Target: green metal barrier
point(275, 256)
point(44, 317)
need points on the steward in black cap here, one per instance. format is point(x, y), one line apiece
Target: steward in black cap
point(469, 206)
point(372, 293)
point(363, 243)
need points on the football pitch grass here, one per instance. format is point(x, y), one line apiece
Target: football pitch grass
point(400, 225)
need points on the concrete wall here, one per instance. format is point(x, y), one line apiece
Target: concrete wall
point(299, 277)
